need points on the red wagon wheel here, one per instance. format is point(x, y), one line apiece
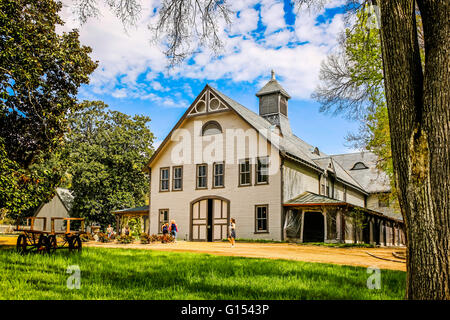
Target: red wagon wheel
point(22, 244)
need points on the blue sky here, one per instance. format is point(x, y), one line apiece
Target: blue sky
point(132, 76)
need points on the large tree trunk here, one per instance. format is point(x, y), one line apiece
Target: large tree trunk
point(419, 115)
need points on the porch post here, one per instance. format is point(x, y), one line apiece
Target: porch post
point(325, 226)
point(338, 225)
point(343, 226)
point(118, 224)
point(371, 230)
point(303, 224)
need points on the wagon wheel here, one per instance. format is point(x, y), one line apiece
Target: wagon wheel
point(22, 244)
point(74, 244)
point(43, 245)
point(53, 244)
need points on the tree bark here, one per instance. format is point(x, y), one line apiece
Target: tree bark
point(419, 115)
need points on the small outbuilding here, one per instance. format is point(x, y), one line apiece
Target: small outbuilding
point(59, 206)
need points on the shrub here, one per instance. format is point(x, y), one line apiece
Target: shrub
point(124, 239)
point(103, 237)
point(166, 238)
point(85, 237)
point(145, 238)
point(154, 238)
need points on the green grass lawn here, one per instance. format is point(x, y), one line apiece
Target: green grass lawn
point(147, 274)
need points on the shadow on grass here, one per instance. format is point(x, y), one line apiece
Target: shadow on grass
point(147, 274)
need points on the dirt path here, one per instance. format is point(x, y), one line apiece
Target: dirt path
point(342, 256)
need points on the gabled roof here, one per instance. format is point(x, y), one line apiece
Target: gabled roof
point(289, 145)
point(66, 198)
point(272, 87)
point(372, 179)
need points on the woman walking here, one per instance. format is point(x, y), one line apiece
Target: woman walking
point(232, 227)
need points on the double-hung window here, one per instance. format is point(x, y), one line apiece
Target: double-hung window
point(261, 215)
point(202, 176)
point(218, 175)
point(177, 183)
point(245, 173)
point(164, 179)
point(163, 218)
point(262, 170)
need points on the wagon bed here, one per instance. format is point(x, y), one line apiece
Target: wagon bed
point(43, 241)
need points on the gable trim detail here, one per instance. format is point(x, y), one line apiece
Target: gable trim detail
point(206, 89)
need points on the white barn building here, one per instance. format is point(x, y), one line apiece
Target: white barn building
point(222, 160)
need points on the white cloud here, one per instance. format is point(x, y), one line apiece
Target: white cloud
point(272, 15)
point(121, 54)
point(307, 29)
point(247, 22)
point(119, 93)
point(125, 57)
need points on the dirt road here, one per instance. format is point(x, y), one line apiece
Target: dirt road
point(342, 256)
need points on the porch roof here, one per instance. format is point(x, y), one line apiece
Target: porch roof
point(132, 211)
point(310, 199)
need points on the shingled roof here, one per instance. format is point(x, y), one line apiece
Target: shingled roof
point(290, 144)
point(371, 179)
point(66, 198)
point(272, 86)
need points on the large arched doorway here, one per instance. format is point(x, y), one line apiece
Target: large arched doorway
point(209, 218)
point(313, 227)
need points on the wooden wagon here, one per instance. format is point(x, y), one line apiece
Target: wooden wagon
point(42, 241)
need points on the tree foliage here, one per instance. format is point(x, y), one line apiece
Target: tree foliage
point(352, 84)
point(23, 190)
point(40, 73)
point(108, 151)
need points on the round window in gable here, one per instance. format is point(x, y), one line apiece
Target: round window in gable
point(200, 107)
point(214, 104)
point(210, 128)
point(359, 166)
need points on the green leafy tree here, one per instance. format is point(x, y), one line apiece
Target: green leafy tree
point(23, 190)
point(108, 151)
point(40, 73)
point(352, 84)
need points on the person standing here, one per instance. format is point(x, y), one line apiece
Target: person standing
point(232, 227)
point(173, 229)
point(109, 231)
point(165, 232)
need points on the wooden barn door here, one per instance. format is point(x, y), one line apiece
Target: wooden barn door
point(220, 219)
point(199, 220)
point(210, 217)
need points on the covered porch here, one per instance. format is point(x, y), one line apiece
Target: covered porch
point(310, 217)
point(124, 216)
